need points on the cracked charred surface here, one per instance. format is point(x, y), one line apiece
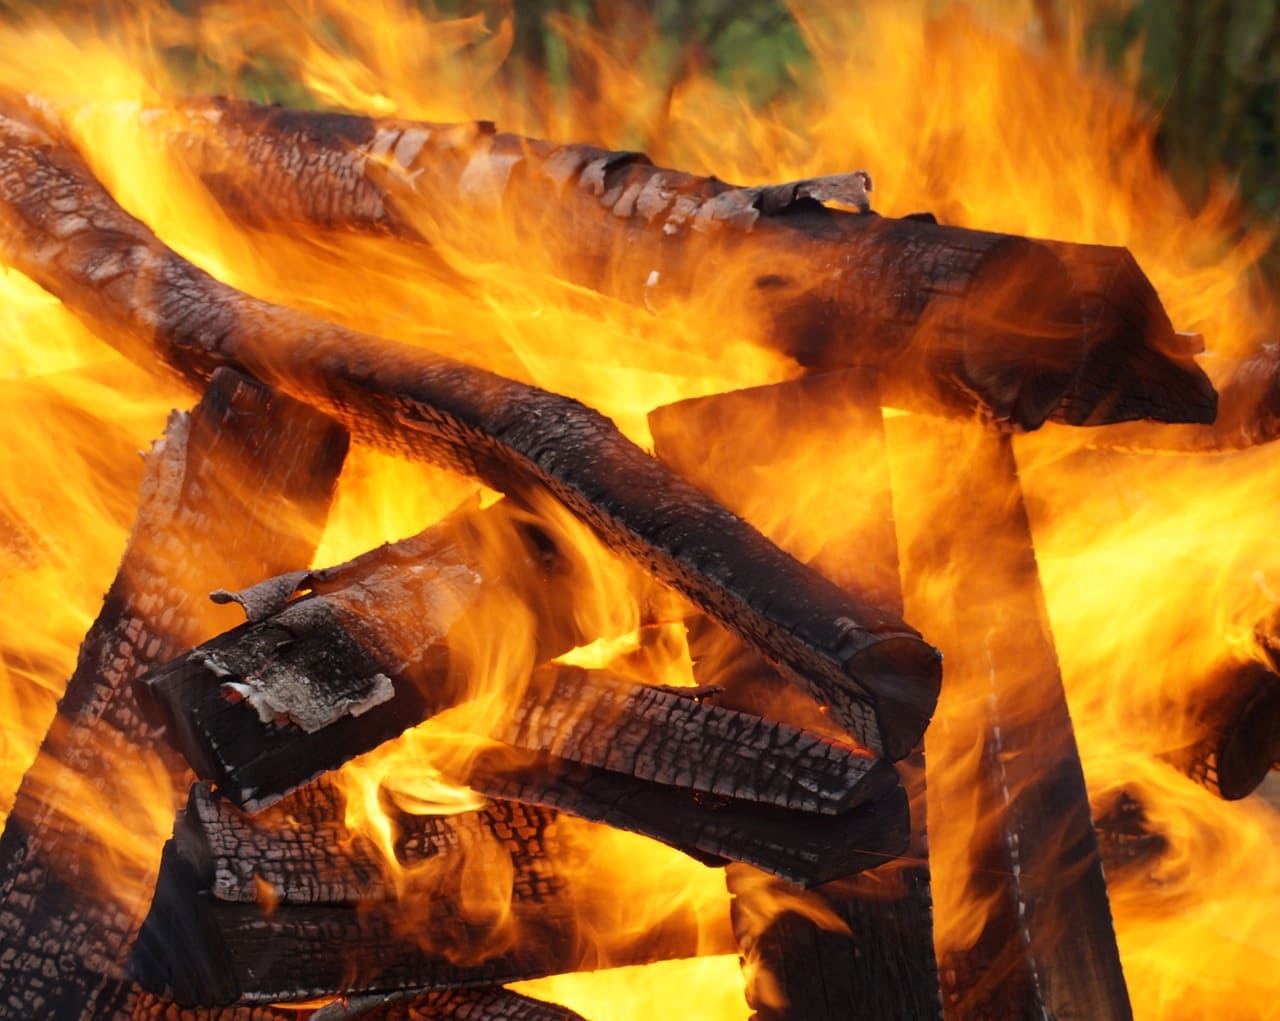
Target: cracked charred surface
point(465, 1005)
point(237, 487)
point(62, 229)
point(286, 906)
point(952, 318)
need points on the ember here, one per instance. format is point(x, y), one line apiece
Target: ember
point(613, 732)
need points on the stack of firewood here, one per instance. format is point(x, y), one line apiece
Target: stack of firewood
point(260, 898)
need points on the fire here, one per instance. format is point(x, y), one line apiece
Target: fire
point(1154, 569)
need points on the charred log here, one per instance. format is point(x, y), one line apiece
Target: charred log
point(1238, 729)
point(805, 848)
point(1024, 842)
point(63, 230)
point(465, 1005)
point(950, 317)
point(238, 487)
point(282, 906)
point(307, 684)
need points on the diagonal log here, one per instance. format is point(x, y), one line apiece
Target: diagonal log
point(61, 228)
point(859, 946)
point(950, 317)
point(286, 906)
point(1010, 823)
point(239, 486)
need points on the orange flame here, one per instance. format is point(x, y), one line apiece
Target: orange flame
point(1154, 569)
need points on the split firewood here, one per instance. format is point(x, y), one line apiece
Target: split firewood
point(805, 848)
point(285, 906)
point(239, 486)
point(307, 684)
point(1022, 843)
point(60, 227)
point(955, 318)
point(861, 945)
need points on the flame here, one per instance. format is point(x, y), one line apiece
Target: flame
point(1154, 569)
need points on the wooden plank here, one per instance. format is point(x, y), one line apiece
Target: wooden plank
point(1010, 823)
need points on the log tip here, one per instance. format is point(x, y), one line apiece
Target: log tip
point(1250, 746)
point(904, 675)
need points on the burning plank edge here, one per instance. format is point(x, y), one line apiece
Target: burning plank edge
point(1047, 945)
point(62, 943)
point(495, 1004)
point(1090, 342)
point(62, 229)
point(280, 907)
point(309, 683)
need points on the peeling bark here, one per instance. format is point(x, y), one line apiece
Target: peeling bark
point(951, 318)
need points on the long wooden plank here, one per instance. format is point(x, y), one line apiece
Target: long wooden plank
point(60, 227)
point(1011, 836)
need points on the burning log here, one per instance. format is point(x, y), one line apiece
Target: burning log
point(304, 686)
point(1239, 729)
point(950, 317)
point(1028, 853)
point(62, 229)
point(805, 848)
point(825, 953)
point(282, 906)
point(238, 487)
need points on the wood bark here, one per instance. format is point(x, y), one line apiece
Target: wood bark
point(1022, 844)
point(859, 946)
point(805, 848)
point(237, 487)
point(61, 228)
point(284, 906)
point(953, 318)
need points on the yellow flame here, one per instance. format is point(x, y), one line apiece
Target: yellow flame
point(1154, 569)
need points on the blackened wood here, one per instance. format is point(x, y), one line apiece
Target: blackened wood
point(841, 950)
point(286, 906)
point(803, 847)
point(788, 457)
point(1126, 839)
point(307, 684)
point(467, 1005)
point(237, 487)
point(1010, 827)
point(62, 229)
point(954, 317)
point(683, 739)
point(1236, 728)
